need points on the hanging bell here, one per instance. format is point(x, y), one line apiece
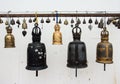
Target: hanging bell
point(118, 23)
point(53, 18)
point(36, 52)
point(60, 21)
point(104, 49)
point(12, 22)
point(78, 21)
point(76, 51)
point(100, 25)
point(114, 22)
point(24, 24)
point(72, 21)
point(30, 20)
point(57, 36)
point(6, 22)
point(108, 21)
point(42, 20)
point(66, 22)
point(90, 21)
point(18, 22)
point(48, 20)
point(9, 38)
point(96, 21)
point(84, 21)
point(1, 21)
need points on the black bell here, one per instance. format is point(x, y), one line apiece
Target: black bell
point(36, 52)
point(76, 51)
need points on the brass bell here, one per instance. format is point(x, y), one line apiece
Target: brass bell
point(1, 21)
point(9, 38)
point(57, 36)
point(104, 49)
point(24, 24)
point(65, 22)
point(6, 22)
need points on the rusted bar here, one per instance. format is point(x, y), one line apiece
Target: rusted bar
point(64, 15)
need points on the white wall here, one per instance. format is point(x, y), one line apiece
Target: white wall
point(13, 61)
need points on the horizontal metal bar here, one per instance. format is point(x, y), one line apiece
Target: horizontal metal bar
point(65, 15)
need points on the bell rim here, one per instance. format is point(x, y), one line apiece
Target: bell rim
point(36, 68)
point(80, 66)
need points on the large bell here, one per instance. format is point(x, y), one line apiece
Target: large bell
point(76, 51)
point(36, 52)
point(104, 49)
point(9, 38)
point(57, 36)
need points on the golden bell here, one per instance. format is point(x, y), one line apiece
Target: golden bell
point(104, 49)
point(57, 36)
point(24, 24)
point(9, 38)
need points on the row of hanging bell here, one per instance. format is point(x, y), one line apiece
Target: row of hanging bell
point(104, 49)
point(76, 51)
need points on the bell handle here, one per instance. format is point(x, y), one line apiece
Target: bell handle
point(76, 30)
point(36, 30)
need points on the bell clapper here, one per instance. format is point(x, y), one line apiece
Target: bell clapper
point(76, 72)
point(36, 73)
point(104, 67)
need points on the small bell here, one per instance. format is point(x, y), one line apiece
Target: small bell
point(104, 49)
point(78, 21)
point(118, 24)
point(24, 24)
point(100, 25)
point(114, 22)
point(9, 38)
point(12, 22)
point(84, 21)
point(18, 22)
point(57, 36)
point(76, 51)
point(34, 19)
point(42, 20)
point(72, 21)
point(6, 22)
point(90, 21)
point(66, 22)
point(53, 18)
point(48, 20)
point(96, 21)
point(60, 21)
point(1, 21)
point(108, 21)
point(30, 20)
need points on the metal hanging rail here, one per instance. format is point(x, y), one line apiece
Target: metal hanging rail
point(60, 14)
